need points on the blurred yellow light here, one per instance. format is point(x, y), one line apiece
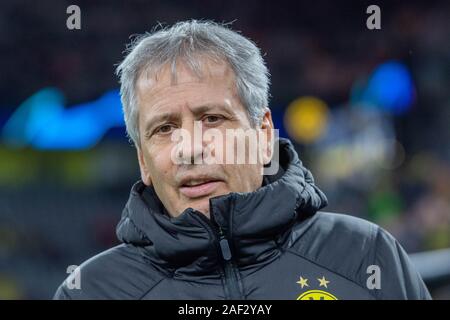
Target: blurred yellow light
point(306, 119)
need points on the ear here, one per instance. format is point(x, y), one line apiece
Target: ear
point(145, 175)
point(268, 136)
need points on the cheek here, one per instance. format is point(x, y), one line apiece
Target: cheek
point(160, 162)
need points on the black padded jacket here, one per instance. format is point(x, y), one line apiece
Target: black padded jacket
point(272, 243)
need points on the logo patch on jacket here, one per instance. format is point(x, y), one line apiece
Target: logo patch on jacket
point(315, 294)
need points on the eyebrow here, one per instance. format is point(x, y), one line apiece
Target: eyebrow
point(208, 107)
point(167, 116)
point(160, 118)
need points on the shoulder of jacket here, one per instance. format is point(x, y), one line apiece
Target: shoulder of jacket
point(117, 273)
point(324, 226)
point(341, 243)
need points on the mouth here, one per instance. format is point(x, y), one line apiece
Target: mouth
point(195, 188)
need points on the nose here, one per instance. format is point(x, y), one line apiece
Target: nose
point(191, 148)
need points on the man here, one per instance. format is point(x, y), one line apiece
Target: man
point(221, 229)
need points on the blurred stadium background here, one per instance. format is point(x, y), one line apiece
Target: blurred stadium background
point(369, 112)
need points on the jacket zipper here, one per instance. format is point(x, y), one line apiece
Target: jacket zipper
point(229, 272)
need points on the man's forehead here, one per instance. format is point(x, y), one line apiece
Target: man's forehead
point(198, 101)
point(213, 90)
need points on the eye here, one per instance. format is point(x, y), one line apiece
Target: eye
point(212, 119)
point(165, 129)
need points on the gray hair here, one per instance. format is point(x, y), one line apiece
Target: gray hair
point(187, 41)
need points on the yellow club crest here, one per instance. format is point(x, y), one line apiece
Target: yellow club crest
point(316, 295)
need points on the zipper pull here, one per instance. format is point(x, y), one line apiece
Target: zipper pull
point(224, 246)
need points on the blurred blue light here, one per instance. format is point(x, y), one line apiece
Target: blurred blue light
point(43, 122)
point(390, 88)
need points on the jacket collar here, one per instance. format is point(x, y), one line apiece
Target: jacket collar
point(188, 244)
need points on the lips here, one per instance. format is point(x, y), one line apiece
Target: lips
point(200, 187)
